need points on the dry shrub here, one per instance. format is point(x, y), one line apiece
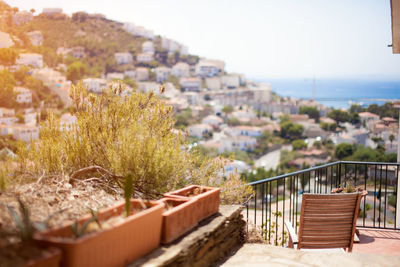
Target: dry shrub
point(123, 135)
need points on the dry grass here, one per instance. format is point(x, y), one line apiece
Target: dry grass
point(51, 194)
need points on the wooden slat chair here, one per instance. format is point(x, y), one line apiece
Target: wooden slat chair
point(327, 221)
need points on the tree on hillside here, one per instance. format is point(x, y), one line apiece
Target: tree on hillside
point(344, 150)
point(298, 144)
point(386, 110)
point(363, 153)
point(312, 112)
point(7, 83)
point(328, 126)
point(227, 109)
point(76, 71)
point(391, 139)
point(339, 115)
point(32, 11)
point(356, 108)
point(8, 56)
point(354, 118)
point(291, 130)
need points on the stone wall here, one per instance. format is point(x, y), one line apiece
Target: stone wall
point(205, 245)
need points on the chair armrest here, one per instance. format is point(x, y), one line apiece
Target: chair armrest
point(292, 233)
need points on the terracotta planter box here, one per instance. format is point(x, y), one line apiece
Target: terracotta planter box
point(179, 219)
point(119, 245)
point(50, 258)
point(207, 202)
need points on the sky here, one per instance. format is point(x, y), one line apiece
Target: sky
point(265, 39)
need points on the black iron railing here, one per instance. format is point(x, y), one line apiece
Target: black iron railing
point(279, 198)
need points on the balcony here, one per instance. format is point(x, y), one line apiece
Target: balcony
point(279, 198)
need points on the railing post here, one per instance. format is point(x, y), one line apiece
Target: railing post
point(398, 200)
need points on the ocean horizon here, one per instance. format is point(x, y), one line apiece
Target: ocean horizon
point(337, 93)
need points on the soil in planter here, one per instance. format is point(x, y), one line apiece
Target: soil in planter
point(170, 204)
point(101, 225)
point(19, 254)
point(194, 192)
point(346, 190)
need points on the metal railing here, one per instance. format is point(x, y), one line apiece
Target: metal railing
point(279, 198)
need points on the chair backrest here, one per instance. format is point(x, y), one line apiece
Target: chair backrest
point(328, 220)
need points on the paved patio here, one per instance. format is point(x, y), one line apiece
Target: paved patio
point(380, 242)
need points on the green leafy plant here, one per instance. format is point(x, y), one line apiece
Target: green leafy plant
point(79, 230)
point(128, 191)
point(270, 233)
point(25, 226)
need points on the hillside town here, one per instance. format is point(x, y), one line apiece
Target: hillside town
point(221, 113)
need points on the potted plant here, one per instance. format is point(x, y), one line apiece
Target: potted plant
point(207, 199)
point(115, 236)
point(349, 188)
point(109, 238)
point(178, 218)
point(26, 252)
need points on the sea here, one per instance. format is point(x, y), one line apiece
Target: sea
point(338, 93)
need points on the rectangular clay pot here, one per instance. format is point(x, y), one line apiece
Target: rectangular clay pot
point(128, 240)
point(178, 220)
point(207, 203)
point(50, 258)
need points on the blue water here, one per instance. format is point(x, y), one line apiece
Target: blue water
point(338, 93)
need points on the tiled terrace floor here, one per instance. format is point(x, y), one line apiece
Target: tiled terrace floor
point(375, 241)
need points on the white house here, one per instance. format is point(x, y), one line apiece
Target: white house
point(144, 57)
point(56, 81)
point(123, 58)
point(95, 85)
point(8, 120)
point(210, 67)
point(35, 37)
point(360, 135)
point(7, 112)
point(368, 119)
point(171, 91)
point(22, 17)
point(190, 84)
point(206, 69)
point(115, 76)
point(148, 47)
point(230, 81)
point(181, 70)
point(23, 95)
point(162, 73)
point(67, 121)
point(199, 130)
point(52, 11)
point(213, 83)
point(130, 73)
point(232, 166)
point(5, 40)
point(138, 30)
point(63, 51)
point(173, 46)
point(148, 87)
point(243, 114)
point(142, 74)
point(30, 59)
point(25, 132)
point(212, 120)
point(31, 118)
point(78, 51)
point(262, 92)
point(244, 143)
point(191, 97)
point(184, 50)
point(252, 131)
